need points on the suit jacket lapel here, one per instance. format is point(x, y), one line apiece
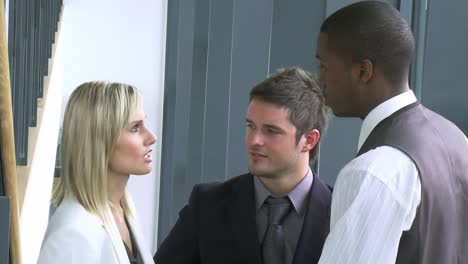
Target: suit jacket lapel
point(316, 224)
point(241, 215)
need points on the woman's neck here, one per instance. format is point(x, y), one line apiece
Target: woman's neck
point(116, 185)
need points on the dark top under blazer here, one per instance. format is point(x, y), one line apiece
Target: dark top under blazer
point(218, 226)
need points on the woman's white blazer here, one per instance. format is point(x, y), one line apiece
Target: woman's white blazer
point(74, 235)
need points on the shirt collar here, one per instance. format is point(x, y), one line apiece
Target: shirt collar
point(297, 195)
point(383, 111)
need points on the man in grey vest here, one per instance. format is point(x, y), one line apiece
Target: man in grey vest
point(404, 198)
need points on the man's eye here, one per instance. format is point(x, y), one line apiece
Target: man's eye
point(272, 131)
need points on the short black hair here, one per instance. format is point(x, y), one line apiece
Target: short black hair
point(299, 92)
point(372, 30)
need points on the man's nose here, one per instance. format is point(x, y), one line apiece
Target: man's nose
point(255, 138)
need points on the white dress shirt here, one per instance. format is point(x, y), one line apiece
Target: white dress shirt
point(375, 198)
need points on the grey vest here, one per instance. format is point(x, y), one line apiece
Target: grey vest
point(439, 233)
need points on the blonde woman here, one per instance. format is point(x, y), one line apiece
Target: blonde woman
point(104, 140)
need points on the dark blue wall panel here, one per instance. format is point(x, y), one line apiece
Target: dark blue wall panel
point(249, 64)
point(444, 87)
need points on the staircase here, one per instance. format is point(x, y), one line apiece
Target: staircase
point(30, 97)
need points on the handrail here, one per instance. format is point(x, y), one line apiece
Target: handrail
point(7, 141)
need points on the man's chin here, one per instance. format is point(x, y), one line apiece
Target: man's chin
point(339, 113)
point(261, 173)
point(256, 171)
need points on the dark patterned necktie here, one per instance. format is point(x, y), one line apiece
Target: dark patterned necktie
point(273, 249)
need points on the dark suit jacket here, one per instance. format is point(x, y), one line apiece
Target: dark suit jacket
point(218, 226)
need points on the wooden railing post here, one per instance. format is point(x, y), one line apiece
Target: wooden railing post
point(7, 140)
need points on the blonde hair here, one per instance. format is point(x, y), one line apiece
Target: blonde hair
point(95, 116)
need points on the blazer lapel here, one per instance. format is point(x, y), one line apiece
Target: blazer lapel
point(140, 242)
point(241, 215)
point(316, 224)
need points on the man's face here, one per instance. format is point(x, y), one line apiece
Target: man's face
point(271, 140)
point(335, 79)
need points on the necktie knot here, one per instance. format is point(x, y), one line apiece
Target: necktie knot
point(278, 209)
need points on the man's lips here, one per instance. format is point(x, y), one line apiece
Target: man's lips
point(257, 155)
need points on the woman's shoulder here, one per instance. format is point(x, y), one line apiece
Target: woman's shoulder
point(75, 233)
point(70, 217)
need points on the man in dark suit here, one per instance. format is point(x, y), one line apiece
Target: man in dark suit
point(277, 213)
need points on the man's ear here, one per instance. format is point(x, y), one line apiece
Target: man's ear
point(311, 139)
point(366, 70)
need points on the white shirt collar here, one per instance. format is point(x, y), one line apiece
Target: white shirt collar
point(383, 111)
